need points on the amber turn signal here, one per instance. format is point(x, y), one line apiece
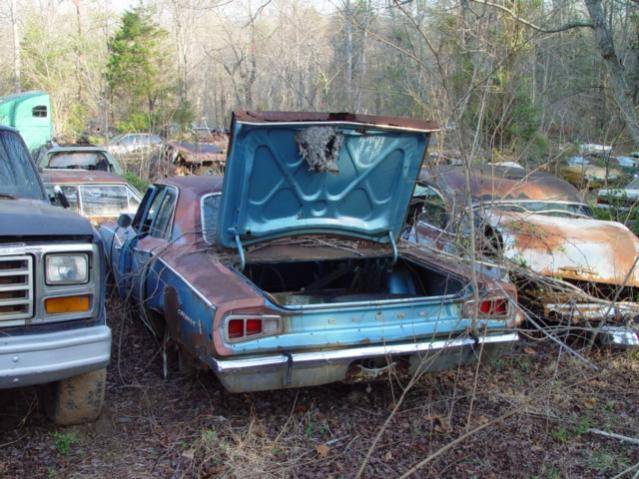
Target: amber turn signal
point(67, 304)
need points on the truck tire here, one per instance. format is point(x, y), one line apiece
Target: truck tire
point(77, 399)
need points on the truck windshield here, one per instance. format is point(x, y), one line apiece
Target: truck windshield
point(18, 177)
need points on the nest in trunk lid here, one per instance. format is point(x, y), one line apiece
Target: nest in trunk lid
point(319, 146)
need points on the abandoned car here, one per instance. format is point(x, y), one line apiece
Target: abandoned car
point(52, 315)
point(82, 157)
point(135, 143)
point(290, 272)
point(623, 199)
point(195, 158)
point(96, 195)
point(569, 266)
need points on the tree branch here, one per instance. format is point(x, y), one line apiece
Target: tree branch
point(567, 26)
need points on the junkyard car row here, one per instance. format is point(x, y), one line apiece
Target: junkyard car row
point(569, 266)
point(325, 253)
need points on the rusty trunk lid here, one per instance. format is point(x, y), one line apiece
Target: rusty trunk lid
point(315, 173)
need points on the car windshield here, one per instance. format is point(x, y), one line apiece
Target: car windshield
point(89, 160)
point(543, 207)
point(18, 177)
point(107, 200)
point(633, 185)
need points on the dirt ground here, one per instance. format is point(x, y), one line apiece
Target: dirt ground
point(187, 426)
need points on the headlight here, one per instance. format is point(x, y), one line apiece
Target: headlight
point(67, 269)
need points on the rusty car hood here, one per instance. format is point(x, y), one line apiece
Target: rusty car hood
point(315, 173)
point(583, 249)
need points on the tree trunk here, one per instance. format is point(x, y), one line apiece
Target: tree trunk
point(79, 52)
point(615, 69)
point(16, 46)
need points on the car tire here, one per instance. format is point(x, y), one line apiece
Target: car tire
point(77, 399)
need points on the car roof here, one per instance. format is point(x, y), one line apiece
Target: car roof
point(71, 176)
point(197, 185)
point(61, 149)
point(500, 183)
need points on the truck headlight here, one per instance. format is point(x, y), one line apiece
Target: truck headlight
point(67, 269)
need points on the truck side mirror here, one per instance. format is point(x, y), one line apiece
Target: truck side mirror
point(124, 220)
point(60, 196)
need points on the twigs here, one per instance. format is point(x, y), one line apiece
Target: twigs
point(454, 443)
point(614, 435)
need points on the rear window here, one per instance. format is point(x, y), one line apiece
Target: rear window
point(210, 212)
point(18, 177)
point(87, 160)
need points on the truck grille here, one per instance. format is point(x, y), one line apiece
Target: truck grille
point(16, 287)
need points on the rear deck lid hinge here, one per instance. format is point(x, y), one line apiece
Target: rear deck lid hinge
point(394, 245)
point(240, 250)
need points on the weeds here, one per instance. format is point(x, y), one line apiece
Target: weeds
point(605, 461)
point(62, 441)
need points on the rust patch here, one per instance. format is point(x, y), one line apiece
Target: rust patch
point(171, 306)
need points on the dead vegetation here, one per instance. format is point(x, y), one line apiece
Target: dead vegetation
point(538, 412)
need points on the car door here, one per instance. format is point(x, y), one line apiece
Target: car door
point(120, 252)
point(159, 221)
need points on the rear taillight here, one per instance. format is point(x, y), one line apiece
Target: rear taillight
point(236, 328)
point(241, 327)
point(493, 307)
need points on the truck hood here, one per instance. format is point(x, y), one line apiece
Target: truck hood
point(306, 173)
point(21, 217)
point(581, 249)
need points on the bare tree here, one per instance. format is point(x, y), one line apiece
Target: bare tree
point(616, 71)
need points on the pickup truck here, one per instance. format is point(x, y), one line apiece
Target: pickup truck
point(53, 328)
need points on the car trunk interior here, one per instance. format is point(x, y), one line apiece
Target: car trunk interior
point(348, 280)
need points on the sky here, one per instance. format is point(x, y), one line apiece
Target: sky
point(121, 5)
point(321, 5)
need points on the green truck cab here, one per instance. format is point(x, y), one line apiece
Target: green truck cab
point(30, 114)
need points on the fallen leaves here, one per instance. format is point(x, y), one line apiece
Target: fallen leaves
point(322, 450)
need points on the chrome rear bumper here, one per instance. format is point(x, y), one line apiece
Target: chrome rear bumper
point(301, 369)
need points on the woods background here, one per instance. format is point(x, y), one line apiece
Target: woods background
point(506, 79)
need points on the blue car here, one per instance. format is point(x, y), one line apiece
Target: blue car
point(290, 270)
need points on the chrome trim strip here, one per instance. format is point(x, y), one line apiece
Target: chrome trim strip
point(418, 301)
point(227, 366)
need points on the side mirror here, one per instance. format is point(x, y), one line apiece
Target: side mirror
point(124, 220)
point(60, 196)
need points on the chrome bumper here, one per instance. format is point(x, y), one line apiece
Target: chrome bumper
point(320, 367)
point(593, 311)
point(618, 337)
point(47, 357)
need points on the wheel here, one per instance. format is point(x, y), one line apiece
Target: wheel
point(77, 399)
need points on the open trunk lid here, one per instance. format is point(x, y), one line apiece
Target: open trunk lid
point(306, 173)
